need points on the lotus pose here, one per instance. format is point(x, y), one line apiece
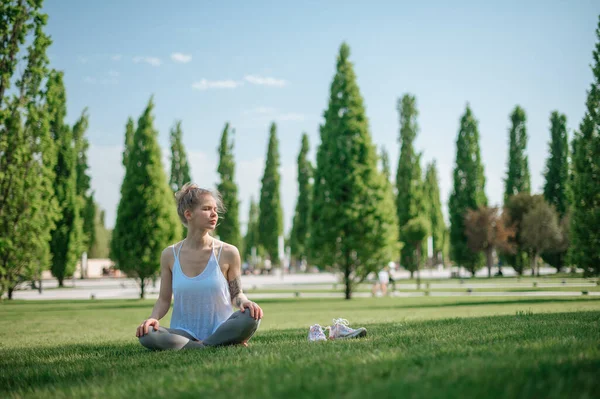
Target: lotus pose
point(204, 277)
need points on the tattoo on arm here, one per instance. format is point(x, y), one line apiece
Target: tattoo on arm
point(235, 289)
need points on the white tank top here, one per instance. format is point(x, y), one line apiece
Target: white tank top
point(201, 303)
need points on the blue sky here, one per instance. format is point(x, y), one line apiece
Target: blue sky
point(250, 63)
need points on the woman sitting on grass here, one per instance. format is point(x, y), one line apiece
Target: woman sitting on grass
point(204, 276)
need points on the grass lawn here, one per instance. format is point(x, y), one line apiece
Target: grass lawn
point(416, 347)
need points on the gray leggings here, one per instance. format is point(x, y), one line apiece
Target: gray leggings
point(235, 330)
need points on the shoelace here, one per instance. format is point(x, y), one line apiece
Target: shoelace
point(341, 321)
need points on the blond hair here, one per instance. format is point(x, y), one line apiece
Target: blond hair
point(189, 197)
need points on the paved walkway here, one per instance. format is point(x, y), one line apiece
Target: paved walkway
point(124, 288)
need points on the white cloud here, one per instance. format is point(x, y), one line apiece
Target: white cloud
point(265, 81)
point(113, 73)
point(215, 84)
point(154, 61)
point(180, 57)
point(116, 57)
point(260, 111)
point(291, 116)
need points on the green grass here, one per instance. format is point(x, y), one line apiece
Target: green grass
point(416, 347)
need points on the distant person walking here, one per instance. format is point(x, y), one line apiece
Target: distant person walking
point(203, 274)
point(381, 284)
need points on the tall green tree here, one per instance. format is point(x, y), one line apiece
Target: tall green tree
point(585, 220)
point(101, 246)
point(468, 192)
point(180, 168)
point(67, 242)
point(540, 230)
point(409, 183)
point(517, 177)
point(556, 187)
point(147, 220)
point(353, 227)
point(128, 144)
point(434, 205)
point(300, 227)
point(251, 238)
point(385, 164)
point(28, 207)
point(84, 193)
point(270, 221)
point(229, 225)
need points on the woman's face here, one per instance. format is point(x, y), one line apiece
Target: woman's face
point(205, 215)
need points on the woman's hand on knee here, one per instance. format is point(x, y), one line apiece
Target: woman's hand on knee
point(144, 328)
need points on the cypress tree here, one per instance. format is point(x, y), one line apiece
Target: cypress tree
point(556, 187)
point(409, 186)
point(251, 239)
point(517, 178)
point(468, 192)
point(385, 165)
point(436, 218)
point(270, 221)
point(352, 215)
point(28, 207)
point(129, 132)
point(147, 220)
point(66, 240)
point(585, 220)
point(229, 227)
point(180, 168)
point(300, 228)
point(85, 196)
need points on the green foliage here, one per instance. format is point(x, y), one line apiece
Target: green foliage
point(300, 229)
point(352, 216)
point(410, 200)
point(516, 208)
point(434, 210)
point(101, 246)
point(147, 220)
point(468, 192)
point(556, 187)
point(517, 179)
point(270, 221)
point(67, 241)
point(86, 197)
point(229, 225)
point(129, 132)
point(540, 230)
point(28, 207)
point(585, 219)
point(180, 168)
point(251, 238)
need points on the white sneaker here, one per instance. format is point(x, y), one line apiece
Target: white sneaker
point(315, 333)
point(340, 330)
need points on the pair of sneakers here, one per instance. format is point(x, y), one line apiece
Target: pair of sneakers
point(339, 330)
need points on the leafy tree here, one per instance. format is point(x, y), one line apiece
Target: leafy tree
point(585, 219)
point(67, 242)
point(410, 201)
point(487, 231)
point(251, 238)
point(147, 220)
point(468, 192)
point(28, 207)
point(229, 226)
point(434, 205)
point(517, 178)
point(540, 231)
point(300, 227)
point(270, 221)
point(556, 187)
point(352, 216)
point(516, 208)
point(180, 168)
point(414, 233)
